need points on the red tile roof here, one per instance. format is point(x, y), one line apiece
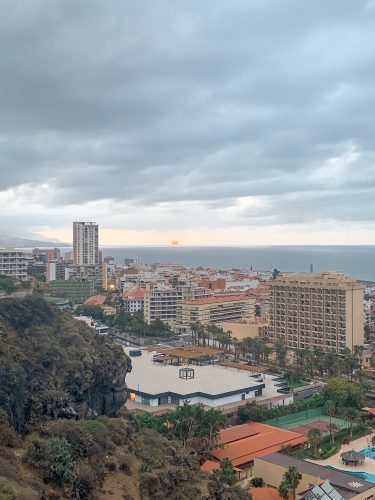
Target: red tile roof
point(245, 442)
point(95, 300)
point(135, 294)
point(266, 493)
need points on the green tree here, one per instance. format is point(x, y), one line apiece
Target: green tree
point(292, 478)
point(281, 352)
point(225, 473)
point(89, 310)
point(343, 393)
point(351, 415)
point(315, 437)
point(284, 491)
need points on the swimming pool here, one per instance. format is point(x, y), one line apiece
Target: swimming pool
point(364, 475)
point(368, 452)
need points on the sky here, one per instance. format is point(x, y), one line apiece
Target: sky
point(211, 122)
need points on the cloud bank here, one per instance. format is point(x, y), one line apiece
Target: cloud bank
point(205, 120)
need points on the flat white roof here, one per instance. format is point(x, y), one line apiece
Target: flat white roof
point(159, 378)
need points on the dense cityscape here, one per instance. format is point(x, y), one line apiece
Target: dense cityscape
point(187, 241)
point(277, 367)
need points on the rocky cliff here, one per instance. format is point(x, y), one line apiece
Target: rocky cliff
point(54, 366)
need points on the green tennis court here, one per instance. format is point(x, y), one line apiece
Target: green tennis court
point(305, 420)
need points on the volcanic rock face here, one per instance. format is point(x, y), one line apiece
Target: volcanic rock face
point(56, 367)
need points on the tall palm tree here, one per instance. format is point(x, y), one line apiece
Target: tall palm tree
point(315, 437)
point(330, 408)
point(292, 478)
point(351, 414)
point(284, 490)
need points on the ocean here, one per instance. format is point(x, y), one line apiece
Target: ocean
point(356, 261)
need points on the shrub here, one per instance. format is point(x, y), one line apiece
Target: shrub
point(126, 465)
point(7, 492)
point(8, 436)
point(257, 482)
point(80, 439)
point(36, 452)
point(149, 485)
point(60, 460)
point(84, 482)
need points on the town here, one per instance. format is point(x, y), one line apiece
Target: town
point(282, 363)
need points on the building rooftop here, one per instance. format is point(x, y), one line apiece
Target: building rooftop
point(265, 493)
point(243, 443)
point(348, 483)
point(156, 379)
point(95, 300)
point(138, 293)
point(215, 300)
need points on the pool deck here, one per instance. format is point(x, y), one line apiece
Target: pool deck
point(357, 445)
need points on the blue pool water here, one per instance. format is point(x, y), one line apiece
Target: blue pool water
point(368, 452)
point(364, 475)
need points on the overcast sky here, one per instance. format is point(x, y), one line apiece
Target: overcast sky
point(210, 122)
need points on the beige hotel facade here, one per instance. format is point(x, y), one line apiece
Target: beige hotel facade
point(317, 311)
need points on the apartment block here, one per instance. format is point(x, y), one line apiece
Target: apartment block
point(160, 303)
point(85, 243)
point(212, 310)
point(13, 263)
point(57, 270)
point(317, 311)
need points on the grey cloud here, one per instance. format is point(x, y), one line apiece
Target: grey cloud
point(203, 102)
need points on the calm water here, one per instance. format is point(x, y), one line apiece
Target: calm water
point(356, 261)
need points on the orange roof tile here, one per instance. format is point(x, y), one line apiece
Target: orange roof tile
point(209, 466)
point(256, 440)
point(135, 294)
point(214, 300)
point(95, 300)
point(371, 411)
point(266, 493)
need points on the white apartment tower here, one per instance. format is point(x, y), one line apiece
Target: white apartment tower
point(85, 244)
point(13, 263)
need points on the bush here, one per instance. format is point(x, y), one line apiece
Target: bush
point(126, 465)
point(36, 452)
point(77, 435)
point(60, 460)
point(7, 492)
point(149, 486)
point(84, 482)
point(257, 482)
point(8, 436)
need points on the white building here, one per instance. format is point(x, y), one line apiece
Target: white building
point(85, 243)
point(134, 300)
point(160, 302)
point(153, 384)
point(13, 263)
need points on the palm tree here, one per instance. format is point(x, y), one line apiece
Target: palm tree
point(284, 490)
point(332, 429)
point(281, 352)
point(351, 415)
point(315, 437)
point(292, 478)
point(330, 409)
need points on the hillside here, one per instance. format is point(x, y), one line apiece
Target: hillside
point(61, 384)
point(15, 242)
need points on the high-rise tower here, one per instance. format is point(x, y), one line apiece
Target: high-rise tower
point(85, 243)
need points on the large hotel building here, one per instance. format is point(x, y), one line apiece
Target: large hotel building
point(317, 311)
